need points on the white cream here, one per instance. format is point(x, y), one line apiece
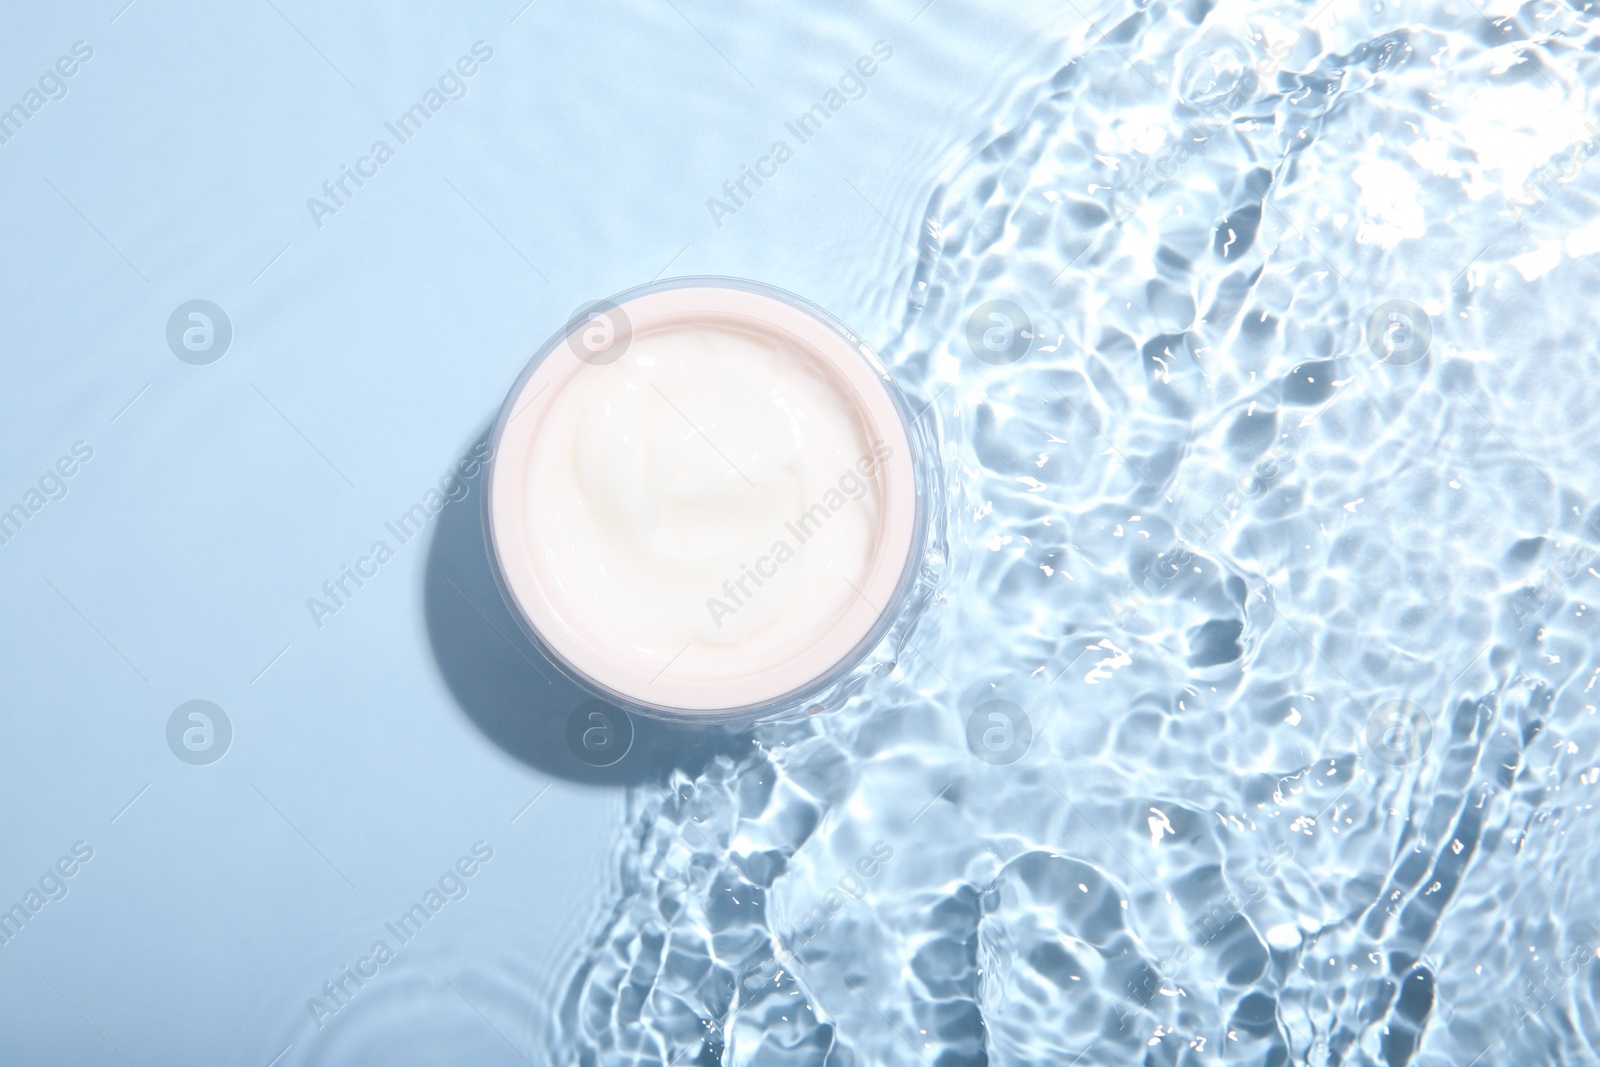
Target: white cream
point(710, 499)
point(706, 506)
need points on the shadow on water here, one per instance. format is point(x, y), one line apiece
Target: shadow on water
point(515, 695)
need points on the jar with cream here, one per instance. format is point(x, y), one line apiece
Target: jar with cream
point(705, 502)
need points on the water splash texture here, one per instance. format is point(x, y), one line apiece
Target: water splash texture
point(1204, 537)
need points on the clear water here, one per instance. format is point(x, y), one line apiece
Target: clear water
point(1295, 600)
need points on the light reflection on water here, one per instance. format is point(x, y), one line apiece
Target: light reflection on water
point(1277, 539)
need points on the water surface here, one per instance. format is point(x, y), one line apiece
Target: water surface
point(1275, 543)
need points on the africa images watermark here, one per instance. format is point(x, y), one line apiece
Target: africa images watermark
point(52, 486)
point(850, 486)
point(452, 885)
point(1199, 533)
point(852, 85)
point(338, 591)
point(852, 885)
point(1215, 917)
point(1552, 976)
point(199, 732)
point(52, 85)
point(1194, 137)
point(1399, 333)
point(52, 886)
point(338, 191)
point(1545, 180)
point(1575, 560)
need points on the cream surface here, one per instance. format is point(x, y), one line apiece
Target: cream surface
point(711, 490)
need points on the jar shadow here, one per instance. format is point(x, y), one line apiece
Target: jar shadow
point(513, 694)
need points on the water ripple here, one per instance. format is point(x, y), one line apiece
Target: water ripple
point(1276, 540)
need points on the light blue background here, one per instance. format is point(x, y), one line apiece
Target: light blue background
point(367, 357)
